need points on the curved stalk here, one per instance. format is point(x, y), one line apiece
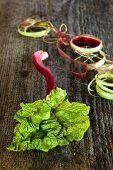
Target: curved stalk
point(45, 71)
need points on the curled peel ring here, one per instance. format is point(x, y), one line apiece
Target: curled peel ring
point(29, 24)
point(88, 39)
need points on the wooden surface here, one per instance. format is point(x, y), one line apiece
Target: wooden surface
point(19, 81)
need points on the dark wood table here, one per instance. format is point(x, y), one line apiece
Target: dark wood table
point(20, 82)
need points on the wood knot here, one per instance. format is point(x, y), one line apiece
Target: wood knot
point(24, 73)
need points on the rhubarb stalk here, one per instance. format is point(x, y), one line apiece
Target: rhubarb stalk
point(45, 71)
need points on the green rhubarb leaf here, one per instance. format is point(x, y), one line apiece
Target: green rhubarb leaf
point(44, 124)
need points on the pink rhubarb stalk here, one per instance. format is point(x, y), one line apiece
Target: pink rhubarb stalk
point(45, 71)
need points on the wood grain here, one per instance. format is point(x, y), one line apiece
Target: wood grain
point(19, 81)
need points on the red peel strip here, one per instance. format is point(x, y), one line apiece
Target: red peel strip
point(45, 71)
point(90, 40)
point(81, 75)
point(59, 33)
